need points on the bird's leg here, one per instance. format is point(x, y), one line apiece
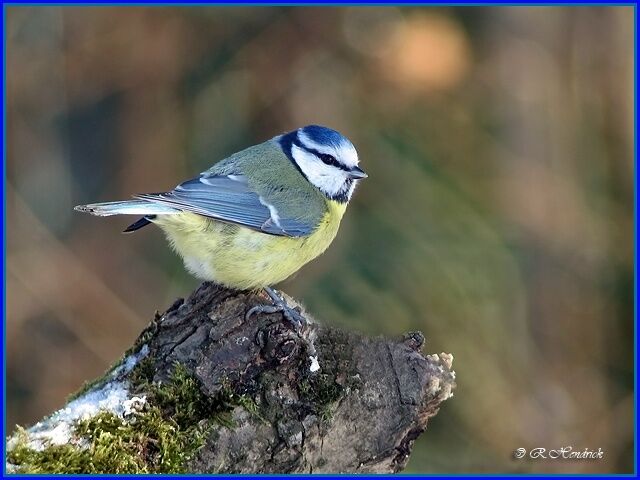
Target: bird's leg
point(292, 315)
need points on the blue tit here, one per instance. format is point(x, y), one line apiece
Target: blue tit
point(258, 216)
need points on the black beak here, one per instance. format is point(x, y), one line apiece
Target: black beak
point(357, 173)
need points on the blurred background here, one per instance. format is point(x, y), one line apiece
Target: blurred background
point(497, 219)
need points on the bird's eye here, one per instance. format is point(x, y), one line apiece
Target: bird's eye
point(329, 159)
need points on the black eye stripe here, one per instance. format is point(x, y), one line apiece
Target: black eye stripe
point(324, 157)
point(329, 160)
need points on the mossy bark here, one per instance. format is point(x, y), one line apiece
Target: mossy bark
point(246, 396)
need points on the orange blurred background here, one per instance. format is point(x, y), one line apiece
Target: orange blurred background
point(497, 219)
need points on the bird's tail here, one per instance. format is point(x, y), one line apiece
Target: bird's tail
point(126, 207)
point(147, 209)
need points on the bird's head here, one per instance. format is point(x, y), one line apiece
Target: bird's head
point(326, 158)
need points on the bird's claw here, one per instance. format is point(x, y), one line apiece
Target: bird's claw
point(291, 314)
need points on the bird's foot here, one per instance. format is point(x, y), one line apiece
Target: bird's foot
point(292, 315)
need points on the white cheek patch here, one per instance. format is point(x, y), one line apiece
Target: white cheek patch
point(327, 178)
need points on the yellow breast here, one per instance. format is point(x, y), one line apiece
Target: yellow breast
point(241, 258)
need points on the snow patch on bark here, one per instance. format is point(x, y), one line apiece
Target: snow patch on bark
point(114, 397)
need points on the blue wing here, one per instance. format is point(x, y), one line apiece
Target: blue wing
point(230, 199)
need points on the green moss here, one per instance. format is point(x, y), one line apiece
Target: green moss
point(173, 425)
point(321, 389)
point(323, 392)
point(141, 377)
point(150, 444)
point(182, 399)
point(249, 405)
point(53, 459)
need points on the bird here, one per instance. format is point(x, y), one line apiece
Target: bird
point(256, 217)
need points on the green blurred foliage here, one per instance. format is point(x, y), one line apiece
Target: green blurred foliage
point(497, 218)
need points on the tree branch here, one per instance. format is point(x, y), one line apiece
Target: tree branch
point(204, 390)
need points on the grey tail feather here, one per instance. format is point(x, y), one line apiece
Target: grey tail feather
point(143, 222)
point(126, 207)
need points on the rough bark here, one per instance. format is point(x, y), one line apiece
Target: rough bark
point(359, 412)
